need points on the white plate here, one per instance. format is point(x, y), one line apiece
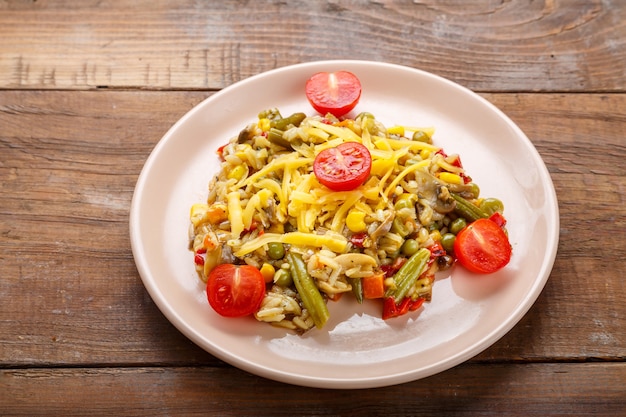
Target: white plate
point(356, 349)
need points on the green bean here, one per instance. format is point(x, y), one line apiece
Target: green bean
point(408, 274)
point(276, 137)
point(357, 288)
point(275, 250)
point(309, 293)
point(467, 210)
point(283, 123)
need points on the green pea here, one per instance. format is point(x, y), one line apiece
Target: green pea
point(474, 189)
point(405, 200)
point(275, 250)
point(399, 227)
point(491, 205)
point(447, 241)
point(421, 136)
point(282, 278)
point(457, 225)
point(409, 247)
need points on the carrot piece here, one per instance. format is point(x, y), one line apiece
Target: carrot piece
point(373, 286)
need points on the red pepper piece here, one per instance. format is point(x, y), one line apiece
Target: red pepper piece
point(390, 270)
point(436, 250)
point(358, 239)
point(498, 219)
point(199, 259)
point(391, 309)
point(220, 151)
point(415, 304)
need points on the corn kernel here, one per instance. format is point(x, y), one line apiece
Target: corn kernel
point(425, 153)
point(238, 172)
point(381, 166)
point(277, 228)
point(382, 144)
point(267, 271)
point(390, 283)
point(264, 124)
point(450, 178)
point(356, 221)
point(198, 213)
point(435, 235)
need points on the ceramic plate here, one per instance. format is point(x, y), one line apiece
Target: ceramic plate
point(356, 349)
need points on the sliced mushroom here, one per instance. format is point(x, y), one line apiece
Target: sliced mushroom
point(246, 134)
point(444, 203)
point(384, 227)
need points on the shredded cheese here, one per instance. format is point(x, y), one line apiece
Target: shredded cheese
point(334, 242)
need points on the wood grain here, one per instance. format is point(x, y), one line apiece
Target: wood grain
point(72, 294)
point(518, 45)
point(467, 390)
point(88, 88)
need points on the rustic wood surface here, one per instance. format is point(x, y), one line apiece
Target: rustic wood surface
point(88, 88)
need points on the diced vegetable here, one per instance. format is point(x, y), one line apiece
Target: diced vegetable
point(373, 286)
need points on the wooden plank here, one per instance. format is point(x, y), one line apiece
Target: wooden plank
point(71, 293)
point(487, 46)
point(467, 390)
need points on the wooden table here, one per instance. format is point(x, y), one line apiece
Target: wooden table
point(88, 88)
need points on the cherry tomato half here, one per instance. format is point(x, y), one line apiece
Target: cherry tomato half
point(344, 167)
point(333, 92)
point(482, 247)
point(235, 291)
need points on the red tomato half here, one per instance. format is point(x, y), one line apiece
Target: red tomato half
point(482, 247)
point(344, 167)
point(333, 92)
point(235, 291)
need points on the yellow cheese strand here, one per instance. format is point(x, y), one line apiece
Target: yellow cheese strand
point(234, 214)
point(404, 173)
point(341, 213)
point(332, 241)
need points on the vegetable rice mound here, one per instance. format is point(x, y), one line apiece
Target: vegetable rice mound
point(266, 204)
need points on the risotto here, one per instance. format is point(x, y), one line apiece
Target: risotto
point(383, 239)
